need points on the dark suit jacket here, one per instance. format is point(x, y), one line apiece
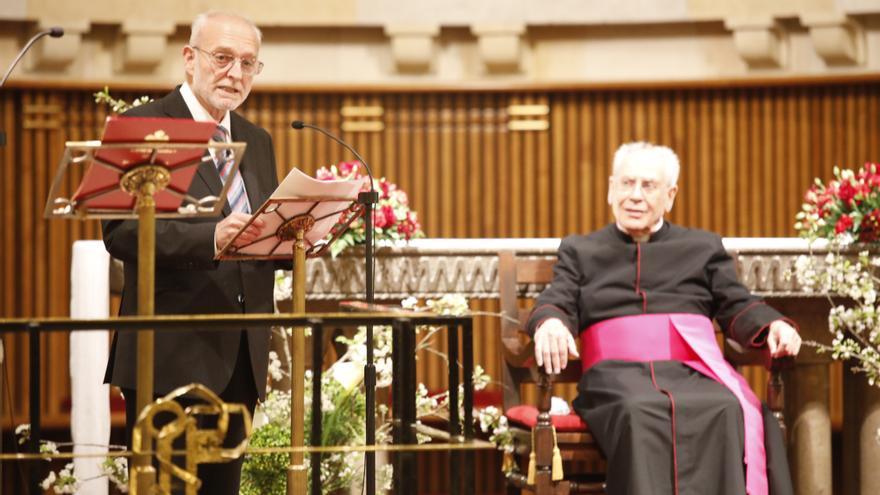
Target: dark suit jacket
point(189, 281)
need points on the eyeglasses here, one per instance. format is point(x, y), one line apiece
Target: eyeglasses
point(627, 185)
point(224, 61)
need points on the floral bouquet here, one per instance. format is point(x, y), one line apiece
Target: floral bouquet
point(392, 216)
point(844, 212)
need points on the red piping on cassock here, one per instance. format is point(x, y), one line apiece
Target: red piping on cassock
point(639, 290)
point(672, 417)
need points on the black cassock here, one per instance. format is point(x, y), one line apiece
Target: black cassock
point(606, 275)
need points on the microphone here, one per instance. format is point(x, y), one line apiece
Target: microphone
point(55, 32)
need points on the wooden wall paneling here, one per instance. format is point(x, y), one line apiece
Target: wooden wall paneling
point(508, 169)
point(404, 132)
point(860, 122)
point(514, 209)
point(535, 177)
point(281, 132)
point(419, 118)
point(11, 170)
point(475, 173)
point(704, 167)
point(754, 179)
point(39, 165)
point(391, 158)
point(375, 148)
point(764, 202)
point(26, 219)
point(462, 182)
point(742, 157)
point(830, 124)
point(445, 160)
point(494, 179)
point(778, 164)
point(567, 138)
point(308, 142)
point(487, 133)
point(849, 118)
point(872, 110)
point(728, 158)
point(600, 167)
point(550, 192)
point(796, 156)
point(711, 170)
point(688, 213)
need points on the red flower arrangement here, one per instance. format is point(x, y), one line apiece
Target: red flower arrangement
point(392, 216)
point(846, 210)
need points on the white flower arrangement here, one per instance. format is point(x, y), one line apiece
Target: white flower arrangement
point(854, 319)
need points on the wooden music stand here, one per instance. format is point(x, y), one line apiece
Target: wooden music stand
point(290, 224)
point(142, 170)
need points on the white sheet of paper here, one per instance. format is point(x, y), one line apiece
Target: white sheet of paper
point(298, 184)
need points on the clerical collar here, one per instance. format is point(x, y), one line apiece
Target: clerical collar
point(654, 231)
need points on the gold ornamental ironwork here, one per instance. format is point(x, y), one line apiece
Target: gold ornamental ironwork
point(145, 179)
point(202, 444)
point(287, 231)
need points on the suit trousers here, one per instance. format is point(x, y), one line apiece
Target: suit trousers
point(220, 478)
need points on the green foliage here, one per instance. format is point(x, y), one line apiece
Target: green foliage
point(118, 105)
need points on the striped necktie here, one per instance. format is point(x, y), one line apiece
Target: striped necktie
point(236, 194)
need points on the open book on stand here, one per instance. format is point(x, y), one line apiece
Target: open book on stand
point(318, 207)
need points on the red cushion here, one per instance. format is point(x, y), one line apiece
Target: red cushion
point(527, 416)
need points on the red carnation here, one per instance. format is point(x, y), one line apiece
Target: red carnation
point(408, 226)
point(846, 192)
point(843, 224)
point(348, 168)
point(870, 229)
point(386, 189)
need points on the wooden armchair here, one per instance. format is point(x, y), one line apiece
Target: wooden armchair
point(581, 459)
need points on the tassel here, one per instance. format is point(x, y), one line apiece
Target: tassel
point(556, 474)
point(530, 478)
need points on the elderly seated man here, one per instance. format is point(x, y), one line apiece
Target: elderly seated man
point(669, 413)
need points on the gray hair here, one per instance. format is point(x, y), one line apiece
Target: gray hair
point(650, 152)
point(204, 17)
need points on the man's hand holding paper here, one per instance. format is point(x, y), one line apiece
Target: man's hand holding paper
point(228, 227)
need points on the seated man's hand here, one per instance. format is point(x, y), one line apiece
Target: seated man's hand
point(783, 340)
point(229, 226)
point(553, 344)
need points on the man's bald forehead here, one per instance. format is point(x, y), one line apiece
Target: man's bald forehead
point(203, 19)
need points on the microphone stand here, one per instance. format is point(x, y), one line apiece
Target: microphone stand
point(55, 32)
point(368, 199)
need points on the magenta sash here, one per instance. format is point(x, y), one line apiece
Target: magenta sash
point(688, 338)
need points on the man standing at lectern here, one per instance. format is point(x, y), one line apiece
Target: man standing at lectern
point(669, 413)
point(221, 61)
